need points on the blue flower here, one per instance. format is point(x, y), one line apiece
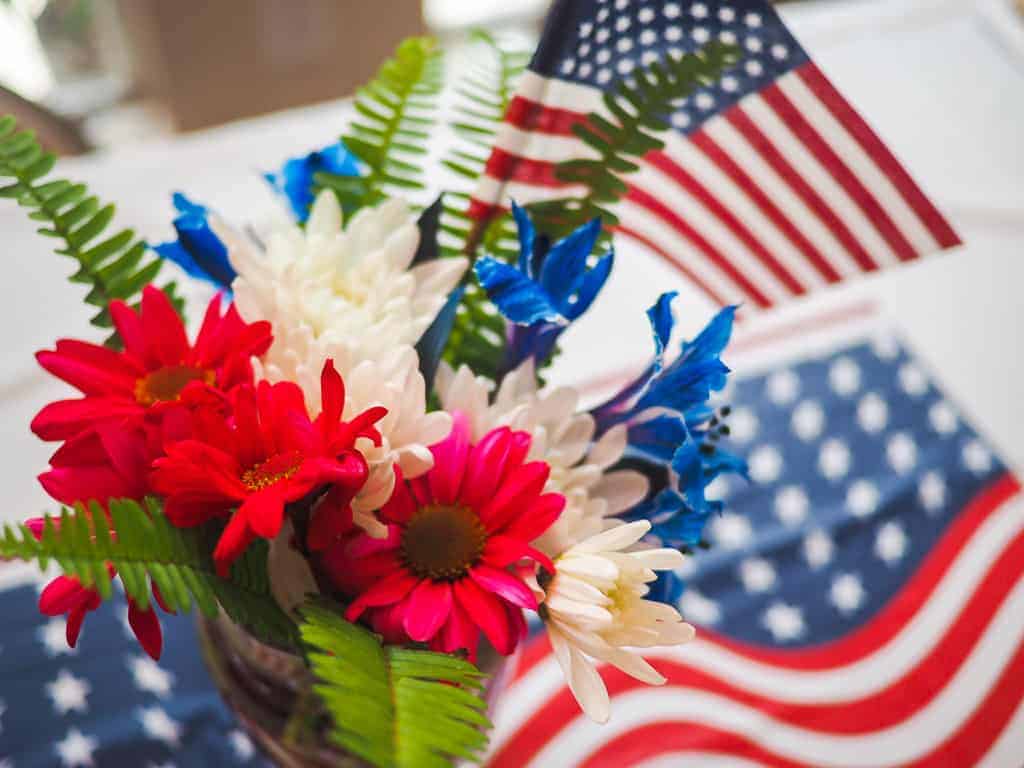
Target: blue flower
point(674, 435)
point(197, 250)
point(295, 179)
point(549, 287)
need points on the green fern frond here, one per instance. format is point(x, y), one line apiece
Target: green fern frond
point(395, 112)
point(638, 110)
point(113, 266)
point(144, 546)
point(392, 706)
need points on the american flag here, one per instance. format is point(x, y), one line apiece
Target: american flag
point(862, 605)
point(770, 185)
point(106, 703)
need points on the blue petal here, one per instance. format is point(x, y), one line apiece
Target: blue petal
point(713, 339)
point(527, 236)
point(197, 250)
point(516, 296)
point(681, 387)
point(433, 341)
point(588, 285)
point(526, 341)
point(567, 259)
point(657, 439)
point(294, 181)
point(662, 322)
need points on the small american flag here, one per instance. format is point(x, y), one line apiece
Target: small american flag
point(862, 605)
point(770, 186)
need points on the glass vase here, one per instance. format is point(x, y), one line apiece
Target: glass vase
point(270, 692)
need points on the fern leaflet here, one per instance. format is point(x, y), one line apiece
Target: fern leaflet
point(115, 267)
point(394, 707)
point(144, 546)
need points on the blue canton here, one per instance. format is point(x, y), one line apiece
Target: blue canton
point(616, 38)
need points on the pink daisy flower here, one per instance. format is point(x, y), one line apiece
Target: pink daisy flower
point(446, 570)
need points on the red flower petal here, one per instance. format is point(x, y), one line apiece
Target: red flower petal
point(86, 376)
point(234, 540)
point(386, 592)
point(331, 519)
point(129, 328)
point(488, 613)
point(166, 341)
point(146, 626)
point(505, 585)
point(450, 461)
point(520, 488)
point(332, 393)
point(61, 595)
point(365, 546)
point(74, 626)
point(264, 511)
point(428, 608)
point(158, 596)
point(64, 419)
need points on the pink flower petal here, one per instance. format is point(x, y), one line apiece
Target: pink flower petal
point(401, 506)
point(459, 633)
point(450, 461)
point(519, 489)
point(429, 605)
point(537, 518)
point(485, 467)
point(386, 592)
point(504, 585)
point(488, 613)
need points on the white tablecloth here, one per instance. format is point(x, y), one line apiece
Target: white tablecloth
point(941, 80)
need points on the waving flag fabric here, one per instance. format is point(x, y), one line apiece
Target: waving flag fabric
point(862, 605)
point(769, 186)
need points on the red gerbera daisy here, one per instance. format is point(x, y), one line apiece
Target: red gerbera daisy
point(266, 454)
point(155, 368)
point(443, 572)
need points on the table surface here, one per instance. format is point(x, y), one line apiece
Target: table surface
point(941, 80)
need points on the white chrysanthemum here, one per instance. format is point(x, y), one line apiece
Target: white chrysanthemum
point(352, 295)
point(562, 437)
point(594, 609)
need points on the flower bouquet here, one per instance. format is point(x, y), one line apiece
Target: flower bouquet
point(352, 467)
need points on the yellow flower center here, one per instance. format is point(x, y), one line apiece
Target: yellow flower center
point(165, 384)
point(273, 470)
point(443, 543)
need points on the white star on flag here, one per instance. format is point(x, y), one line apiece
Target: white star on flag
point(242, 745)
point(847, 593)
point(150, 676)
point(69, 693)
point(784, 621)
point(157, 723)
point(53, 636)
point(76, 749)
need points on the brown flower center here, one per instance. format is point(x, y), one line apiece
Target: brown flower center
point(273, 470)
point(443, 542)
point(165, 384)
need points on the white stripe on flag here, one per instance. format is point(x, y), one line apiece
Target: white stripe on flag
point(911, 739)
point(681, 250)
point(792, 148)
point(778, 190)
point(682, 152)
point(653, 181)
point(490, 188)
point(858, 161)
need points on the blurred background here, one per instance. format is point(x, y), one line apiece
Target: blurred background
point(94, 73)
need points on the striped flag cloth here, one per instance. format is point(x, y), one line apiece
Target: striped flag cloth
point(769, 186)
point(862, 605)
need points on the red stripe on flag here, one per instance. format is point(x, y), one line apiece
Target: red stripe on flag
point(840, 171)
point(868, 139)
point(763, 146)
point(670, 168)
point(538, 118)
point(670, 217)
point(508, 167)
point(894, 617)
point(743, 180)
point(677, 737)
